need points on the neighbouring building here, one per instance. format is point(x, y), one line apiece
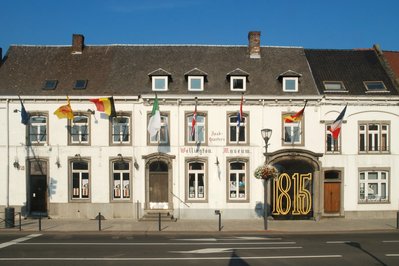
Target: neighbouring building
point(213, 103)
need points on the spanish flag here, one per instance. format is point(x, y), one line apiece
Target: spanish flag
point(295, 117)
point(64, 111)
point(105, 105)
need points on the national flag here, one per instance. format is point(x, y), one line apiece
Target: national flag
point(335, 128)
point(240, 115)
point(65, 111)
point(105, 105)
point(154, 125)
point(25, 116)
point(295, 117)
point(194, 121)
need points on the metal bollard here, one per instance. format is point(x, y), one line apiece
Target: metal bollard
point(159, 222)
point(99, 221)
point(40, 222)
point(20, 221)
point(397, 220)
point(218, 212)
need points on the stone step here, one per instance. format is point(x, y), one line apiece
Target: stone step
point(154, 216)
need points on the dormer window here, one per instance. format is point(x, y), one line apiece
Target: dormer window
point(375, 86)
point(196, 79)
point(238, 80)
point(290, 80)
point(160, 83)
point(160, 79)
point(290, 84)
point(238, 83)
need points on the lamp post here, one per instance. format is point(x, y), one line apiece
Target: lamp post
point(266, 135)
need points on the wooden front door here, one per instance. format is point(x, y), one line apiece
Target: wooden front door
point(38, 194)
point(158, 186)
point(332, 197)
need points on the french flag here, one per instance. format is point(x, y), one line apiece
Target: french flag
point(335, 128)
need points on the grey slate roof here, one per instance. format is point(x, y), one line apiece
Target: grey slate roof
point(352, 67)
point(123, 69)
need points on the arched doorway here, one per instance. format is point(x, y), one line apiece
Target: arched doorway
point(295, 194)
point(159, 182)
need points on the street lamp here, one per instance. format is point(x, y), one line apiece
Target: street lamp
point(266, 135)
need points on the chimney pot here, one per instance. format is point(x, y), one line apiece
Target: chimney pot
point(254, 44)
point(77, 43)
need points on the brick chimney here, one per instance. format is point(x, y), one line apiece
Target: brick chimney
point(254, 44)
point(77, 43)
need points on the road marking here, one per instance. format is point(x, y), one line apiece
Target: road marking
point(18, 240)
point(238, 238)
point(256, 238)
point(221, 250)
point(339, 242)
point(392, 255)
point(174, 259)
point(157, 244)
point(197, 239)
point(390, 241)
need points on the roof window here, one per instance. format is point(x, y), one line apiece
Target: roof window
point(80, 84)
point(334, 86)
point(50, 84)
point(375, 86)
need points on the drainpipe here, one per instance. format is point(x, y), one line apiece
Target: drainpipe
point(8, 152)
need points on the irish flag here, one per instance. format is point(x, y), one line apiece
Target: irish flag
point(154, 125)
point(335, 128)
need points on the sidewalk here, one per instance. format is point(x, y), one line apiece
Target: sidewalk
point(195, 226)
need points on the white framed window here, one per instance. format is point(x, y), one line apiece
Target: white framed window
point(237, 187)
point(196, 181)
point(80, 180)
point(199, 135)
point(373, 186)
point(237, 134)
point(292, 133)
point(80, 130)
point(333, 146)
point(121, 189)
point(290, 84)
point(120, 126)
point(37, 129)
point(238, 83)
point(195, 83)
point(159, 83)
point(374, 137)
point(162, 137)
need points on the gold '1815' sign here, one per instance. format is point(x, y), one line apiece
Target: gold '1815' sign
point(292, 195)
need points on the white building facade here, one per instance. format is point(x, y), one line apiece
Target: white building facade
point(96, 163)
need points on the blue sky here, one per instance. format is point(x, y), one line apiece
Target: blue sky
point(338, 24)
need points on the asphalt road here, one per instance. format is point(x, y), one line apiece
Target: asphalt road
point(371, 248)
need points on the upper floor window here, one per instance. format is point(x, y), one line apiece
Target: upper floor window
point(37, 129)
point(195, 83)
point(375, 86)
point(162, 137)
point(80, 129)
point(373, 186)
point(238, 130)
point(120, 129)
point(332, 145)
point(198, 133)
point(196, 181)
point(238, 83)
point(292, 131)
point(374, 137)
point(237, 181)
point(290, 84)
point(121, 185)
point(80, 180)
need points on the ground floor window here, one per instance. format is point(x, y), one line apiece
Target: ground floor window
point(196, 183)
point(80, 180)
point(121, 180)
point(373, 186)
point(237, 181)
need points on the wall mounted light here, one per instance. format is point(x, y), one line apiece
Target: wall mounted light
point(120, 157)
point(217, 161)
point(57, 163)
point(16, 164)
point(78, 157)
